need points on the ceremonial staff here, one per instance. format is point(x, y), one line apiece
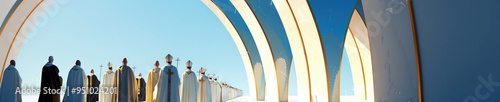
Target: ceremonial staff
point(134, 69)
point(100, 72)
point(177, 61)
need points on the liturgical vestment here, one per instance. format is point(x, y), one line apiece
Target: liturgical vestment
point(153, 77)
point(11, 81)
point(189, 87)
point(50, 81)
point(76, 80)
point(107, 89)
point(93, 88)
point(125, 83)
point(164, 89)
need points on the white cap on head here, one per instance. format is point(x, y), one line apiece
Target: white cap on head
point(169, 58)
point(202, 70)
point(110, 65)
point(189, 63)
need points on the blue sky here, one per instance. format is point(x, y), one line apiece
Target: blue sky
point(101, 31)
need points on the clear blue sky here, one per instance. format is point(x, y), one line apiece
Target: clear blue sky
point(101, 31)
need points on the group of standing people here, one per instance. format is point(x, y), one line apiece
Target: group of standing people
point(163, 85)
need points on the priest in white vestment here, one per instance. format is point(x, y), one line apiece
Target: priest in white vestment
point(189, 84)
point(107, 90)
point(153, 77)
point(167, 87)
point(125, 83)
point(218, 93)
point(224, 92)
point(205, 87)
point(76, 80)
point(212, 87)
point(231, 92)
point(11, 81)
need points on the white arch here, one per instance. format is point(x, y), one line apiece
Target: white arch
point(241, 47)
point(313, 49)
point(297, 47)
point(17, 26)
point(360, 57)
point(271, 76)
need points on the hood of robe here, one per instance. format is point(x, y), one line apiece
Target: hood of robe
point(48, 64)
point(156, 69)
point(76, 67)
point(10, 67)
point(189, 71)
point(109, 71)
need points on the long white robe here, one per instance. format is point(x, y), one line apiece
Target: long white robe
point(224, 93)
point(205, 89)
point(107, 90)
point(161, 88)
point(153, 77)
point(11, 81)
point(126, 85)
point(213, 90)
point(218, 93)
point(231, 94)
point(222, 97)
point(76, 80)
point(189, 87)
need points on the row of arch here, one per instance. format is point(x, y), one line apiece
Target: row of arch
point(399, 50)
point(261, 28)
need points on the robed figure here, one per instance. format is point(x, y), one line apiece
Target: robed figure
point(217, 93)
point(215, 88)
point(189, 85)
point(11, 81)
point(126, 87)
point(76, 80)
point(212, 88)
point(167, 88)
point(205, 89)
point(50, 81)
point(106, 95)
point(231, 92)
point(142, 88)
point(93, 87)
point(224, 92)
point(153, 77)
